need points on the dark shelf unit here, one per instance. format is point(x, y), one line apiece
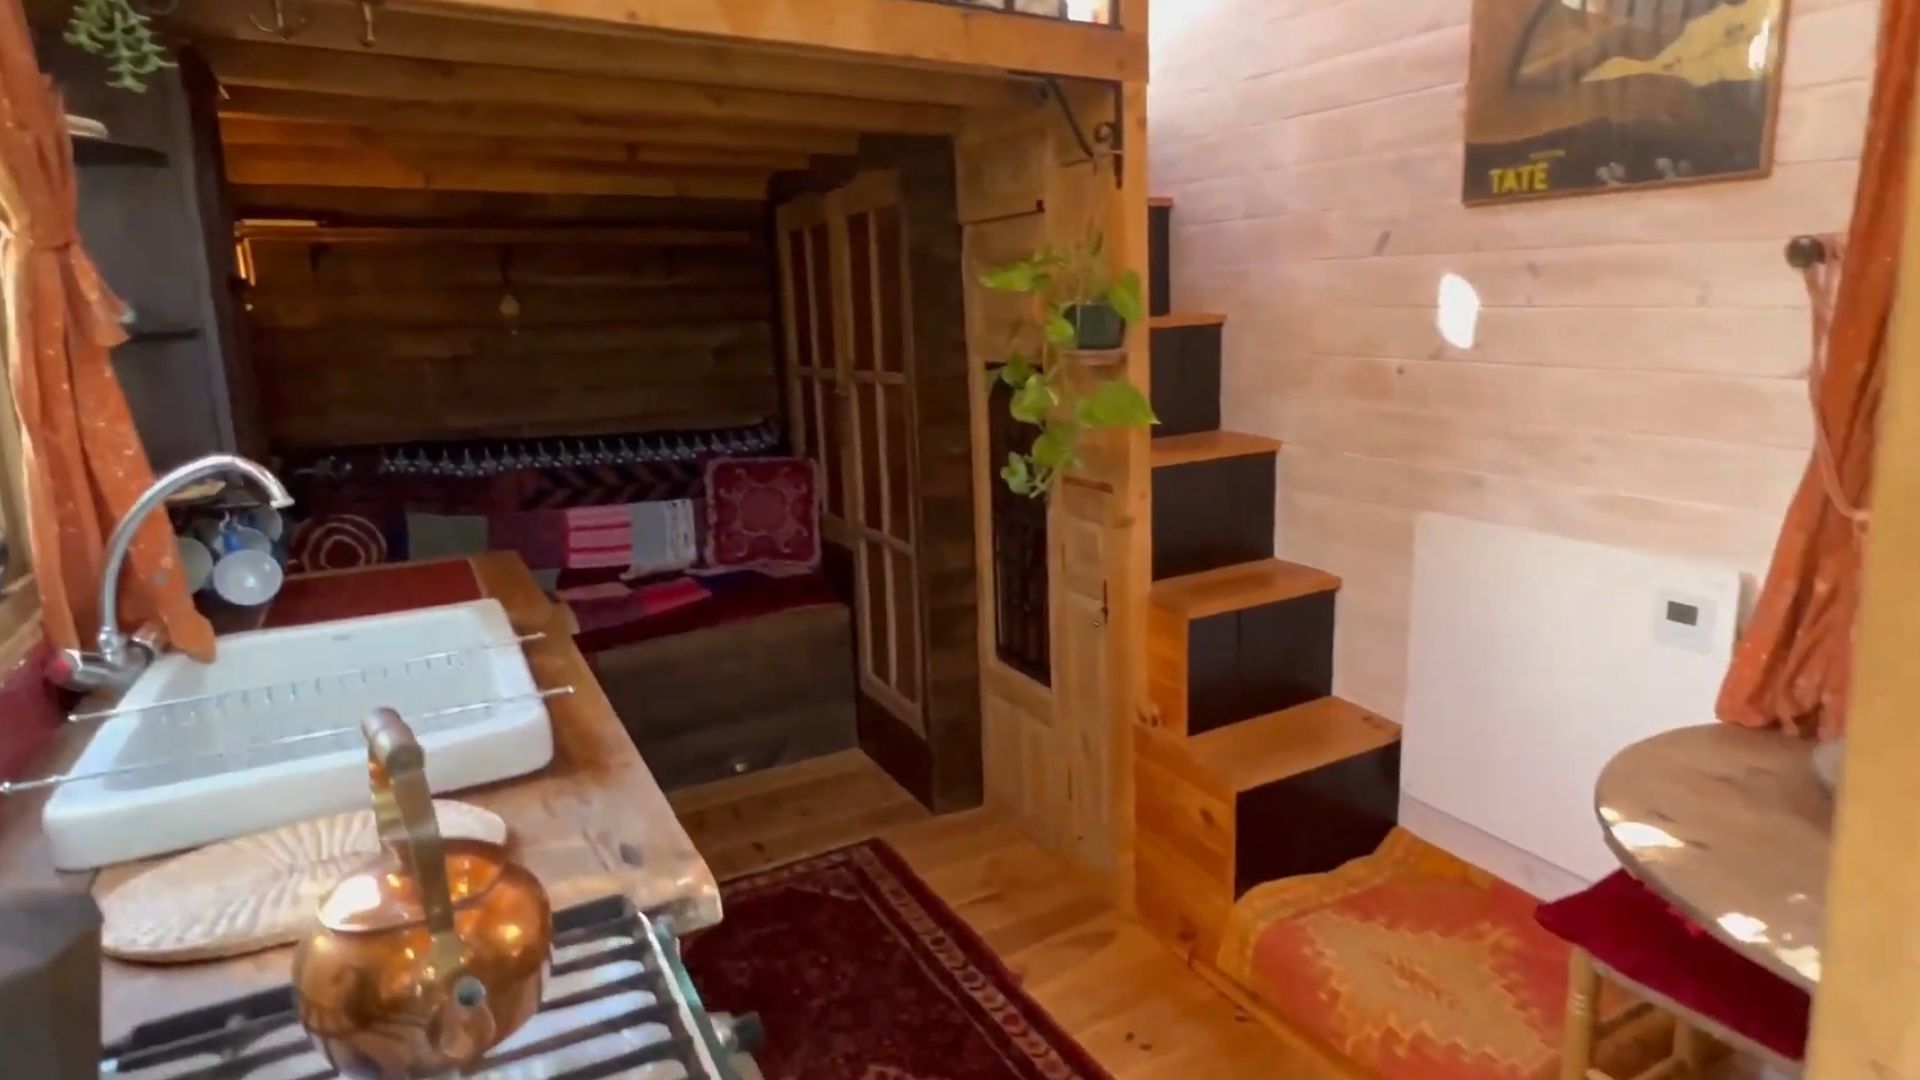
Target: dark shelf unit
point(88, 150)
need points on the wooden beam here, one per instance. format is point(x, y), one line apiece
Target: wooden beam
point(487, 209)
point(900, 30)
point(523, 121)
point(251, 131)
point(368, 169)
point(1864, 1021)
point(363, 74)
point(539, 306)
point(566, 236)
point(338, 26)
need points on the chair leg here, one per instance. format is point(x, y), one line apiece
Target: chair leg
point(1688, 1049)
point(1583, 985)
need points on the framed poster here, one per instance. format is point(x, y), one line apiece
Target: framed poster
point(1567, 97)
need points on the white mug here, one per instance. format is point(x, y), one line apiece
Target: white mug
point(247, 578)
point(195, 561)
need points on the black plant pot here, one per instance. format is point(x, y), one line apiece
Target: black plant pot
point(1097, 327)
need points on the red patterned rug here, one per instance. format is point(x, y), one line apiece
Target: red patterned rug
point(861, 973)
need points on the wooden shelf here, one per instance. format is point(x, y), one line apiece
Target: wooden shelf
point(88, 150)
point(160, 330)
point(1177, 319)
point(1209, 446)
point(1236, 588)
point(1253, 753)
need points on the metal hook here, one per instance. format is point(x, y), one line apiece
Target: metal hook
point(367, 7)
point(282, 27)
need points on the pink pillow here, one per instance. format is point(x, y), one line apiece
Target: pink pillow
point(762, 513)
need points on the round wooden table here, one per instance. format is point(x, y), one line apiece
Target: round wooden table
point(1732, 827)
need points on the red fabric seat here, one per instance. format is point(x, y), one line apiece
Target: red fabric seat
point(1623, 925)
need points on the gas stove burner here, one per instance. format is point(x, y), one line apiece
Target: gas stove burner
point(618, 1004)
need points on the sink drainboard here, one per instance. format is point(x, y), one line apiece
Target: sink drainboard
point(197, 753)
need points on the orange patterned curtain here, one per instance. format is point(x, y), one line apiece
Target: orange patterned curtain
point(84, 462)
point(1792, 667)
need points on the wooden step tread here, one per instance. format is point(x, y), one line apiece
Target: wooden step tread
point(1257, 752)
point(1174, 320)
point(1238, 587)
point(1160, 200)
point(1209, 446)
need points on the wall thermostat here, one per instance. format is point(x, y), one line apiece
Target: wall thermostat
point(1685, 621)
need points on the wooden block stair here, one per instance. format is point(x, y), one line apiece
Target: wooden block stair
point(1250, 770)
point(1298, 791)
point(1207, 446)
point(1234, 643)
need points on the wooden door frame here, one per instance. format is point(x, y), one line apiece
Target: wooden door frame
point(1866, 1022)
point(1025, 165)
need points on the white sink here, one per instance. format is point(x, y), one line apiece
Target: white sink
point(208, 722)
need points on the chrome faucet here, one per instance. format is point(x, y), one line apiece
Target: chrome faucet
point(120, 657)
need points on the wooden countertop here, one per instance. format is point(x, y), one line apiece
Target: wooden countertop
point(592, 823)
point(1732, 827)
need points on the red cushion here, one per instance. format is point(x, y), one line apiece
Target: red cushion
point(762, 512)
point(1629, 929)
point(729, 603)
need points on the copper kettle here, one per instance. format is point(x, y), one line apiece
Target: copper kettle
point(434, 952)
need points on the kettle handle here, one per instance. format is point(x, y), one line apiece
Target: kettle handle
point(403, 810)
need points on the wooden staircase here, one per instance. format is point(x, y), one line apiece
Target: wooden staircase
point(1251, 771)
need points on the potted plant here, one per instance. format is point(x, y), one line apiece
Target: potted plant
point(1078, 321)
point(123, 35)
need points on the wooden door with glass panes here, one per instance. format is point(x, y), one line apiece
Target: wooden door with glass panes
point(814, 405)
point(849, 378)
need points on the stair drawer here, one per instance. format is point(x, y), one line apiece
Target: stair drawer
point(1186, 378)
point(1209, 514)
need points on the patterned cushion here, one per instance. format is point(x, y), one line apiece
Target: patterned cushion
point(762, 512)
point(336, 542)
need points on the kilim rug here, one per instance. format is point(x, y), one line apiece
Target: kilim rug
point(1410, 963)
point(860, 973)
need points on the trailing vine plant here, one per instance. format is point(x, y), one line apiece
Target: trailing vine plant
point(114, 30)
point(1052, 389)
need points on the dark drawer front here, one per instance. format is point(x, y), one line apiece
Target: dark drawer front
point(1210, 514)
point(1244, 664)
point(1186, 378)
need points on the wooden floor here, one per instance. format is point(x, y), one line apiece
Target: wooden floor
point(1140, 1011)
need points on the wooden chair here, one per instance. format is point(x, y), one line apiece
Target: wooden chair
point(1622, 932)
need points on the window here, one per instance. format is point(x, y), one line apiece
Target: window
point(1022, 634)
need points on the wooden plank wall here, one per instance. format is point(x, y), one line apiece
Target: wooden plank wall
point(1638, 377)
point(356, 343)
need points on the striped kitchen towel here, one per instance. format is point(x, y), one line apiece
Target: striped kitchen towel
point(598, 537)
point(644, 538)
